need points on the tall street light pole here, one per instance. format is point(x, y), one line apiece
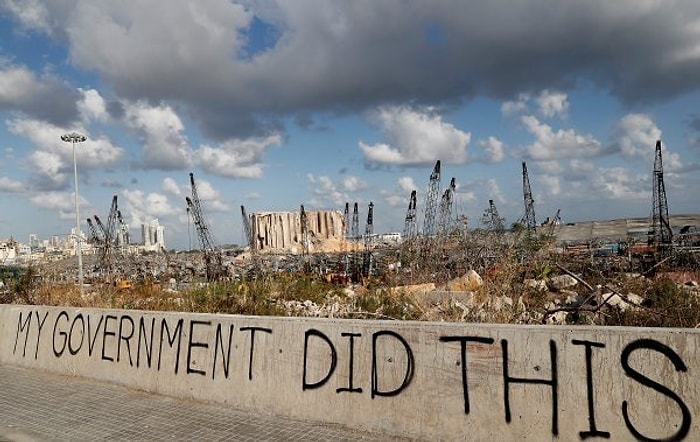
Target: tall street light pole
point(73, 138)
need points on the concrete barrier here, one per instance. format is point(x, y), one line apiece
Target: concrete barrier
point(433, 381)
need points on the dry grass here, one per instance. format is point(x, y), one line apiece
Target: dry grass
point(504, 263)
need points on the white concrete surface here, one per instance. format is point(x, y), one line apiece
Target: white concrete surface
point(432, 381)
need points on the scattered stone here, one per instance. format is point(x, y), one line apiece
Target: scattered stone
point(414, 289)
point(536, 284)
point(470, 281)
point(443, 297)
point(630, 301)
point(561, 282)
point(557, 318)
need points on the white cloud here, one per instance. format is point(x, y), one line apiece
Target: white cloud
point(170, 186)
point(493, 149)
point(332, 55)
point(550, 184)
point(636, 136)
point(400, 194)
point(620, 184)
point(43, 97)
point(140, 207)
point(236, 158)
point(210, 197)
point(49, 168)
point(486, 187)
point(15, 84)
point(33, 14)
point(52, 161)
point(10, 185)
point(326, 192)
point(165, 144)
point(353, 184)
point(92, 106)
point(415, 138)
point(560, 144)
point(552, 103)
point(63, 202)
point(406, 184)
point(517, 106)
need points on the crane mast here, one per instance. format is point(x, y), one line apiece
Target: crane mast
point(661, 227)
point(369, 232)
point(446, 204)
point(492, 219)
point(304, 231)
point(528, 219)
point(409, 228)
point(212, 257)
point(247, 229)
point(432, 201)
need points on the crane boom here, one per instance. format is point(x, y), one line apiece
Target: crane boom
point(212, 257)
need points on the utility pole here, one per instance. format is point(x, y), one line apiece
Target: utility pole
point(73, 138)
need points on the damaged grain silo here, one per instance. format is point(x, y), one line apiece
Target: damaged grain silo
point(283, 232)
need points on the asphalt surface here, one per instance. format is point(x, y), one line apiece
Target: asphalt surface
point(41, 406)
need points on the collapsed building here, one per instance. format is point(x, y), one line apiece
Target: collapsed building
point(285, 231)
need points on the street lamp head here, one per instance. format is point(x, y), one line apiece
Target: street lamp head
point(73, 137)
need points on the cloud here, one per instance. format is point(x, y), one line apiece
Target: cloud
point(415, 138)
point(353, 184)
point(619, 184)
point(636, 135)
point(551, 184)
point(406, 184)
point(170, 186)
point(326, 193)
point(32, 14)
point(62, 202)
point(140, 207)
point(236, 158)
point(92, 106)
point(563, 143)
point(22, 91)
point(399, 195)
point(552, 104)
point(493, 150)
point(11, 186)
point(165, 146)
point(49, 170)
point(484, 187)
point(340, 57)
point(52, 160)
point(517, 106)
point(210, 197)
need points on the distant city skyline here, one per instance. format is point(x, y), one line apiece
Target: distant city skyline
point(275, 104)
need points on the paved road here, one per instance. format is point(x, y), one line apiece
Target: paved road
point(40, 406)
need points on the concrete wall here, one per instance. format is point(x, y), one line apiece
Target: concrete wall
point(433, 381)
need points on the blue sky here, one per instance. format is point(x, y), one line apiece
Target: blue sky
point(275, 104)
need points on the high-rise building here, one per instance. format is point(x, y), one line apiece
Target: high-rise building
point(33, 241)
point(153, 235)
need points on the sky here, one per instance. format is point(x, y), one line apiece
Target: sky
point(274, 104)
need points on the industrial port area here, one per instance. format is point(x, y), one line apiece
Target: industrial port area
point(636, 271)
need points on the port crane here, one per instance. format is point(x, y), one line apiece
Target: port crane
point(213, 260)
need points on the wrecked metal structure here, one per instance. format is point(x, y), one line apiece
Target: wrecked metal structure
point(282, 231)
